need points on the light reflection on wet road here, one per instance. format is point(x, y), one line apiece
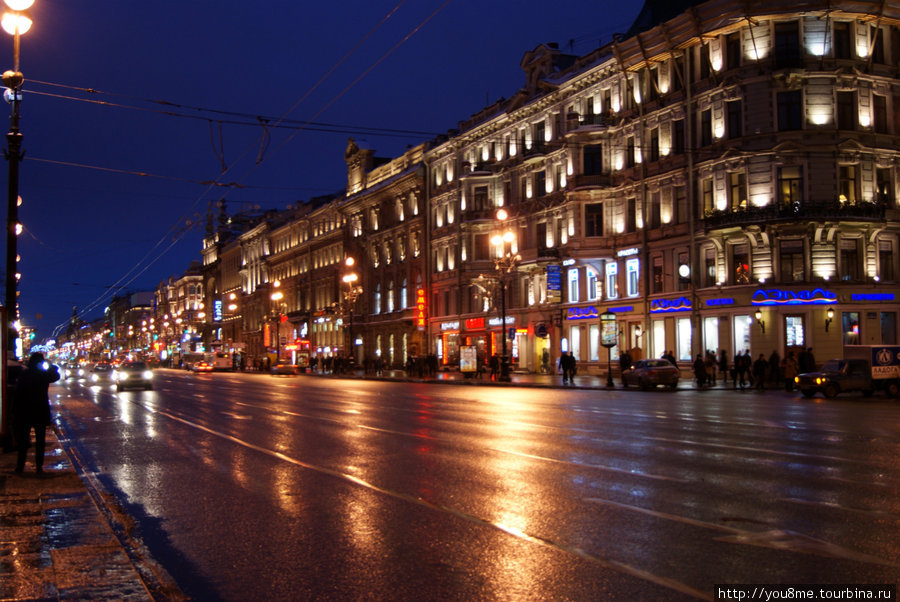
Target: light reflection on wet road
point(245, 485)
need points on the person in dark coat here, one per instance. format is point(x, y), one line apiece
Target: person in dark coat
point(625, 362)
point(760, 370)
point(700, 371)
point(31, 409)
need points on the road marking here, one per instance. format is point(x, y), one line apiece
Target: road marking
point(778, 539)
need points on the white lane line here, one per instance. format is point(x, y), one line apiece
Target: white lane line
point(778, 539)
point(607, 563)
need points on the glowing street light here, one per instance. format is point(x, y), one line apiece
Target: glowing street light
point(15, 22)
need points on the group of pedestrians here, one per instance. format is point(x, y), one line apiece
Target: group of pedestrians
point(760, 373)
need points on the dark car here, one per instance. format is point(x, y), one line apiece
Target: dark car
point(131, 375)
point(101, 373)
point(650, 373)
point(837, 376)
point(285, 367)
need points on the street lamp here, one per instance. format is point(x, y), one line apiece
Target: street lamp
point(15, 22)
point(506, 263)
point(277, 296)
point(350, 296)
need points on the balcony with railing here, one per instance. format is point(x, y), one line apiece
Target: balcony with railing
point(810, 210)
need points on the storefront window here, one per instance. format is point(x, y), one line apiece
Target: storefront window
point(575, 338)
point(683, 326)
point(850, 327)
point(711, 334)
point(793, 331)
point(659, 338)
point(741, 334)
point(594, 342)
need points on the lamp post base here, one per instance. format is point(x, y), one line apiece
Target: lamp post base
point(504, 371)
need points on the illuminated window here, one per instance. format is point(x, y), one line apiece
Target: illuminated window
point(573, 285)
point(612, 272)
point(632, 272)
point(848, 183)
point(790, 185)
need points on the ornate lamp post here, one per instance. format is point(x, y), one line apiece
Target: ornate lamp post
point(350, 296)
point(276, 297)
point(506, 263)
point(15, 22)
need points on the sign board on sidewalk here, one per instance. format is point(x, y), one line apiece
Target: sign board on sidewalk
point(468, 358)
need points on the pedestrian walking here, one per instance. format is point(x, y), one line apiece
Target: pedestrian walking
point(31, 409)
point(760, 369)
point(789, 371)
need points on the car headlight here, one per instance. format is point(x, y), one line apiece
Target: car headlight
point(147, 374)
point(93, 378)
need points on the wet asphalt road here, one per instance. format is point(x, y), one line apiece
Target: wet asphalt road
point(248, 487)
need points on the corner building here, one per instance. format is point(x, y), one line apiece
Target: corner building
point(722, 177)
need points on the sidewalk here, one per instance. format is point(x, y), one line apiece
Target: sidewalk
point(57, 541)
point(56, 544)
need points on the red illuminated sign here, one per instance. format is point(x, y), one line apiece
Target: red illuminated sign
point(474, 323)
point(419, 318)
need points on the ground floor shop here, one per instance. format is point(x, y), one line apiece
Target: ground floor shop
point(759, 320)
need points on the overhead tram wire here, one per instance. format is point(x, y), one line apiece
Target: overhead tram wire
point(249, 119)
point(113, 289)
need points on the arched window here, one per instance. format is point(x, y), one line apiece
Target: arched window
point(404, 295)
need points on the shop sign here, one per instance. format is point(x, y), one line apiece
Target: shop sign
point(217, 310)
point(628, 252)
point(720, 302)
point(582, 313)
point(450, 325)
point(872, 296)
point(497, 322)
point(554, 283)
point(419, 315)
point(670, 305)
point(775, 296)
point(474, 323)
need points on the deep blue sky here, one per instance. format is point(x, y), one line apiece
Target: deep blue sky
point(90, 229)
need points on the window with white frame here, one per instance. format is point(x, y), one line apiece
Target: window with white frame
point(593, 284)
point(612, 273)
point(632, 272)
point(573, 285)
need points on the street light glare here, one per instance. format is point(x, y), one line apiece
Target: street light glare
point(19, 4)
point(15, 23)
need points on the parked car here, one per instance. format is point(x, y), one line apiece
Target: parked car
point(101, 373)
point(285, 367)
point(650, 373)
point(133, 374)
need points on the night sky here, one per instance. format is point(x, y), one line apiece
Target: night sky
point(132, 110)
